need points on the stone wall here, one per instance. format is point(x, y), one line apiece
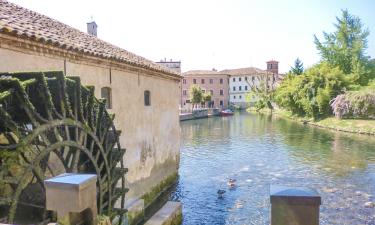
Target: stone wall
point(151, 134)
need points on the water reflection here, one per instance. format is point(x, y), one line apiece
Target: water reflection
point(258, 150)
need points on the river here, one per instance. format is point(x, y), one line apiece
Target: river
point(260, 150)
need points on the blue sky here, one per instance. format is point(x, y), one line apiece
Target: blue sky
point(206, 34)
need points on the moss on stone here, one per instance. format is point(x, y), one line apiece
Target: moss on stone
point(135, 217)
point(155, 192)
point(177, 220)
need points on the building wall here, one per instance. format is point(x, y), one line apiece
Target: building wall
point(215, 87)
point(240, 87)
point(151, 134)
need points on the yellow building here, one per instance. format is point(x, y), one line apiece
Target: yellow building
point(142, 94)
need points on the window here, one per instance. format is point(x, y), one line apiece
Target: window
point(245, 78)
point(194, 81)
point(234, 97)
point(147, 98)
point(188, 101)
point(184, 92)
point(203, 91)
point(106, 93)
point(184, 81)
point(252, 78)
point(239, 79)
point(239, 88)
point(211, 81)
point(211, 92)
point(246, 88)
point(221, 92)
point(221, 80)
point(234, 79)
point(202, 81)
point(234, 88)
point(221, 103)
point(240, 96)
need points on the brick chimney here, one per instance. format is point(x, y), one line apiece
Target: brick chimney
point(92, 28)
point(273, 66)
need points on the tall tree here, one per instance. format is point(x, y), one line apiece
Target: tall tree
point(298, 67)
point(196, 95)
point(346, 47)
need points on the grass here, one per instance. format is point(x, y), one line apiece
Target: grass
point(359, 126)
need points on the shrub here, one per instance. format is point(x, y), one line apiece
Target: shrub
point(310, 93)
point(356, 104)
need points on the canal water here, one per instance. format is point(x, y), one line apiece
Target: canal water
point(259, 150)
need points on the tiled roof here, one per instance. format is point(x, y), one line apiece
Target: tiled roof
point(244, 71)
point(203, 72)
point(24, 23)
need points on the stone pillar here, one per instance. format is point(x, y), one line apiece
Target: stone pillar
point(294, 206)
point(72, 196)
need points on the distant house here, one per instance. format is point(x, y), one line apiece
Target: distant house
point(243, 80)
point(210, 81)
point(142, 94)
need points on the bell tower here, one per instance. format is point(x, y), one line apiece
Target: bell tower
point(273, 66)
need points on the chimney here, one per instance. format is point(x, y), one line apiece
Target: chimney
point(92, 28)
point(273, 66)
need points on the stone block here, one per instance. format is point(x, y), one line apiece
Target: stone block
point(169, 214)
point(70, 194)
point(135, 209)
point(294, 206)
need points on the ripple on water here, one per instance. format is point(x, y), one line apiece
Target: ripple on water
point(260, 150)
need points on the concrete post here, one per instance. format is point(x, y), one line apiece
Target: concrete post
point(294, 206)
point(72, 195)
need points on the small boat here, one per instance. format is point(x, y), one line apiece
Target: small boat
point(226, 112)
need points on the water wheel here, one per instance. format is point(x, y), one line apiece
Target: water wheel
point(51, 124)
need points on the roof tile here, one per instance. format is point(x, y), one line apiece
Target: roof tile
point(29, 24)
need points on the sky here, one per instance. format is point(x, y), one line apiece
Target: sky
point(207, 34)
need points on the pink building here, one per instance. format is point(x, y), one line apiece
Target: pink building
point(211, 81)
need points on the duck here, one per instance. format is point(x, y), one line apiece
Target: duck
point(220, 193)
point(232, 182)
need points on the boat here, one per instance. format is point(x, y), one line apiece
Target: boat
point(226, 112)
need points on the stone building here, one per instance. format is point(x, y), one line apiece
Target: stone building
point(242, 80)
point(142, 94)
point(171, 64)
point(210, 81)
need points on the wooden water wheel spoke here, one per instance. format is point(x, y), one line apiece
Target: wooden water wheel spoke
point(50, 124)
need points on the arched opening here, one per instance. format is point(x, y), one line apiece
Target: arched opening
point(147, 96)
point(106, 93)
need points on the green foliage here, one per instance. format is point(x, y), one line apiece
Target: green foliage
point(262, 93)
point(310, 93)
point(196, 95)
point(345, 48)
point(298, 67)
point(207, 97)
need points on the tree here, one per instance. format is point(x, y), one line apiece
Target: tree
point(263, 92)
point(310, 93)
point(346, 47)
point(298, 67)
point(196, 95)
point(207, 98)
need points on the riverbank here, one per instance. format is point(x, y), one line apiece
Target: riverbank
point(358, 126)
